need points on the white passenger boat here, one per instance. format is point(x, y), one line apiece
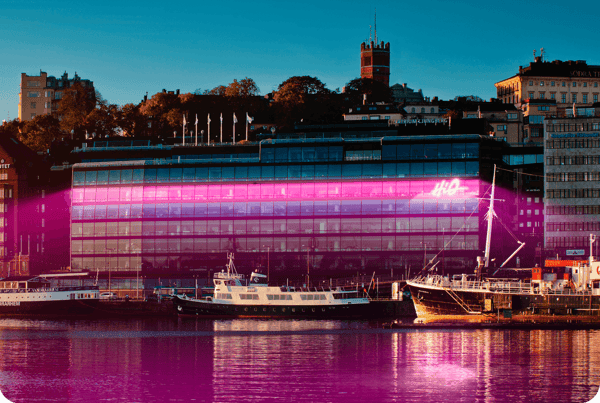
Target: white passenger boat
point(34, 295)
point(234, 297)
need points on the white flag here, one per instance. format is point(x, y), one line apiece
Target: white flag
point(221, 117)
point(184, 122)
point(234, 118)
point(196, 118)
point(208, 119)
point(248, 118)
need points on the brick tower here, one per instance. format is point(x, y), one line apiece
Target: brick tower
point(375, 59)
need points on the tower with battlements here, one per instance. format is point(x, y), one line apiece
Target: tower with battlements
point(375, 60)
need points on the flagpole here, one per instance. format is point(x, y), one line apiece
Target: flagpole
point(221, 127)
point(246, 126)
point(208, 123)
point(184, 129)
point(234, 120)
point(196, 129)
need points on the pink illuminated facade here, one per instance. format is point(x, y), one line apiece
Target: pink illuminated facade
point(328, 213)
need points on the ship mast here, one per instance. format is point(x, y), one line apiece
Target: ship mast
point(490, 217)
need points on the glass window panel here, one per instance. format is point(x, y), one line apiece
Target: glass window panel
point(174, 227)
point(100, 211)
point(112, 211)
point(320, 226)
point(351, 190)
point(293, 208)
point(161, 245)
point(371, 207)
point(416, 188)
point(99, 246)
point(389, 170)
point(444, 206)
point(321, 154)
point(254, 191)
point(162, 175)
point(125, 194)
point(227, 209)
point(114, 177)
point(336, 153)
point(240, 191)
point(293, 226)
point(161, 228)
point(430, 169)
point(458, 169)
point(253, 244)
point(162, 210)
point(174, 210)
point(268, 172)
point(113, 194)
point(138, 176)
point(281, 154)
point(124, 211)
point(267, 191)
point(124, 229)
point(266, 226)
point(430, 206)
point(445, 150)
point(149, 193)
point(334, 171)
point(266, 208)
point(294, 171)
point(150, 175)
point(239, 209)
point(267, 154)
point(416, 152)
point(306, 208)
point(349, 243)
point(187, 245)
point(472, 150)
point(403, 151)
point(403, 169)
point(352, 170)
point(88, 229)
point(295, 154)
point(306, 226)
point(416, 169)
point(280, 226)
point(90, 178)
point(77, 229)
point(471, 206)
point(188, 174)
point(471, 168)
point(174, 193)
point(239, 227)
point(187, 209)
point(149, 210)
point(175, 174)
point(371, 243)
point(308, 190)
point(416, 206)
point(333, 225)
point(350, 225)
point(78, 178)
point(201, 209)
point(148, 228)
point(112, 229)
point(444, 169)
point(372, 170)
point(320, 208)
point(388, 224)
point(254, 172)
point(371, 225)
point(388, 207)
point(136, 211)
point(136, 228)
point(281, 171)
point(334, 207)
point(214, 192)
point(458, 150)
point(90, 195)
point(137, 193)
point(214, 209)
point(402, 207)
point(350, 207)
point(202, 174)
point(253, 208)
point(78, 195)
point(458, 206)
point(308, 171)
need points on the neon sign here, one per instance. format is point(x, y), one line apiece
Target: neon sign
point(450, 188)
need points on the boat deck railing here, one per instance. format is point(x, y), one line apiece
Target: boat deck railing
point(510, 286)
point(47, 289)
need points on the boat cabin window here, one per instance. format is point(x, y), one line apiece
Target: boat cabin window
point(223, 295)
point(277, 297)
point(313, 297)
point(248, 296)
point(345, 295)
point(217, 282)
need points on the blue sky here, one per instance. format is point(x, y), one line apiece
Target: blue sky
point(128, 48)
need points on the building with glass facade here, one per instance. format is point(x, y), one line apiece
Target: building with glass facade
point(373, 202)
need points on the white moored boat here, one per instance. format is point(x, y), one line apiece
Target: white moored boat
point(34, 295)
point(234, 297)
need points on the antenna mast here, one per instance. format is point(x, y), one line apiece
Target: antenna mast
point(375, 25)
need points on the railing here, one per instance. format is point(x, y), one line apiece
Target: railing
point(491, 285)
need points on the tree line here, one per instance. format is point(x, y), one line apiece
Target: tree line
point(299, 99)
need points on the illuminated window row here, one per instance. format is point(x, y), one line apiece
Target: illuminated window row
point(277, 172)
point(454, 188)
point(271, 209)
point(174, 246)
point(273, 226)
